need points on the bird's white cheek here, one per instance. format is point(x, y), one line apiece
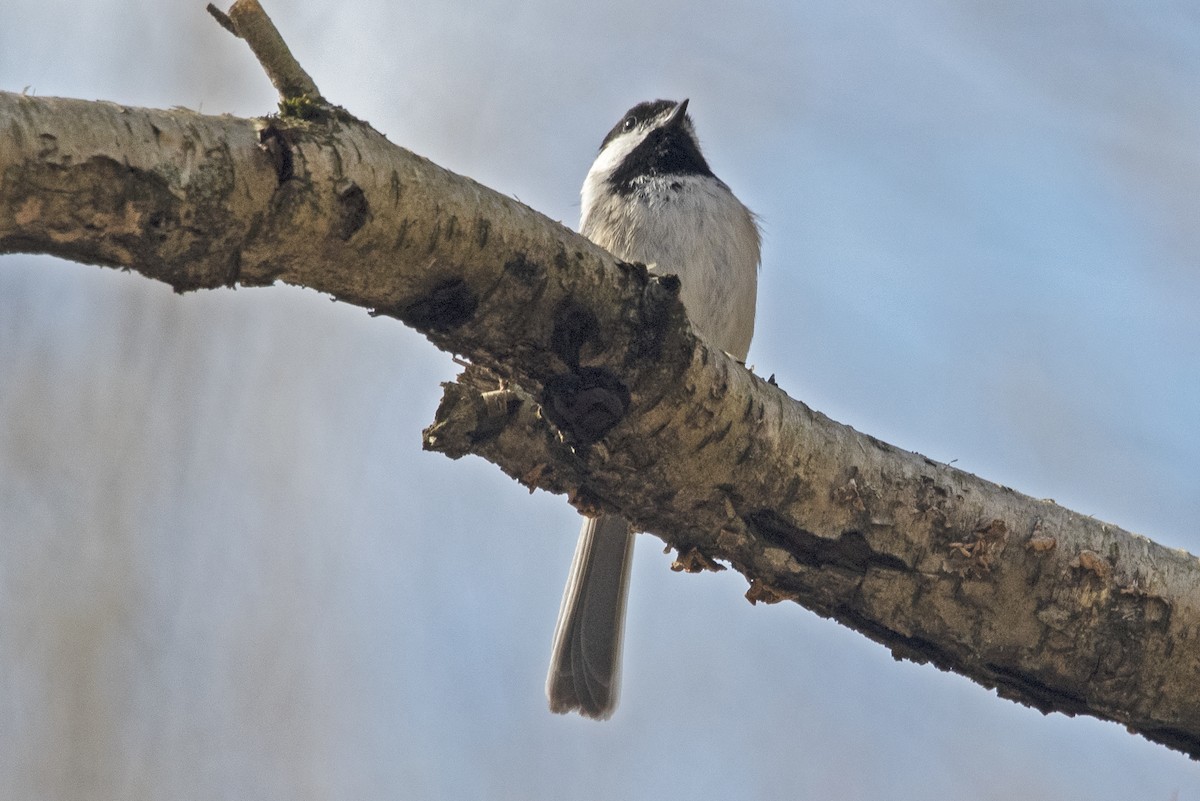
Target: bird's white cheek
point(594, 186)
point(590, 197)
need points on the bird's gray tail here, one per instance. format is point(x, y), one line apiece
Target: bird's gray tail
point(585, 664)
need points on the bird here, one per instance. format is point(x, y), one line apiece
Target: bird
point(649, 197)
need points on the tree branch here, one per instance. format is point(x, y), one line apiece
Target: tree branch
point(587, 380)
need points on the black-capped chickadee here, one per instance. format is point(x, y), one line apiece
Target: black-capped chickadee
point(649, 197)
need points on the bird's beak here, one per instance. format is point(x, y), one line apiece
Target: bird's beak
point(677, 116)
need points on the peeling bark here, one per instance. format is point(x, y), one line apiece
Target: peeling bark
point(587, 380)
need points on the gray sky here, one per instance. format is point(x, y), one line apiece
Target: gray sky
point(229, 571)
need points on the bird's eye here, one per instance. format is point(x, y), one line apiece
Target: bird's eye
point(629, 123)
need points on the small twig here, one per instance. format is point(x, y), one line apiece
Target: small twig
point(247, 20)
point(222, 19)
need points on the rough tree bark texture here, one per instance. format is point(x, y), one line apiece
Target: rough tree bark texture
point(588, 381)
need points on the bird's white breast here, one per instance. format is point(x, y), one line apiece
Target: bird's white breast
point(691, 226)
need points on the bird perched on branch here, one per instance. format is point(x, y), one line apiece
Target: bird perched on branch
point(649, 197)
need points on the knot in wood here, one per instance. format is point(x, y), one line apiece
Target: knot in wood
point(586, 404)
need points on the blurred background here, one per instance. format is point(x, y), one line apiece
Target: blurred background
point(227, 569)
